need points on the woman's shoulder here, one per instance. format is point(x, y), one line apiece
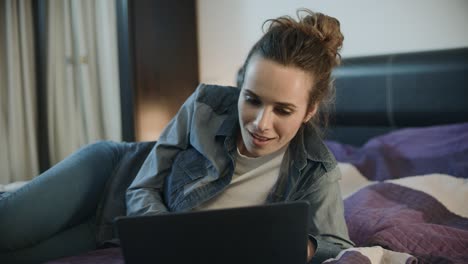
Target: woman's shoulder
point(316, 148)
point(219, 98)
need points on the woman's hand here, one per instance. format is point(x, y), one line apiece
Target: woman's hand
point(310, 250)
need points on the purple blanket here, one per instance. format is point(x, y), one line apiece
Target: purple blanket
point(405, 220)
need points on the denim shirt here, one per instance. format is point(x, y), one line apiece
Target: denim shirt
point(193, 162)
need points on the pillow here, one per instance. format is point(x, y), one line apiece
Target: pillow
point(408, 152)
point(11, 187)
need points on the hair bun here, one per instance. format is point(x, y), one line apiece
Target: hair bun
point(326, 29)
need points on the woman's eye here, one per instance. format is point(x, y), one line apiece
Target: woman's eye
point(252, 100)
point(284, 112)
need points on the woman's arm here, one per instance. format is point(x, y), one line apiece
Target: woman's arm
point(328, 233)
point(144, 196)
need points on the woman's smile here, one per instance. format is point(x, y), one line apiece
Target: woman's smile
point(260, 140)
point(272, 106)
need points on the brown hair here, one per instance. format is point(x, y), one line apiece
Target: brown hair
point(312, 44)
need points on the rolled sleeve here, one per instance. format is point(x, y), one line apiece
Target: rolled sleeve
point(327, 225)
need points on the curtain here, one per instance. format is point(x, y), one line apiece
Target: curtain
point(83, 96)
point(18, 122)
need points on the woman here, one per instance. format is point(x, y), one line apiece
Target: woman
point(226, 147)
point(232, 147)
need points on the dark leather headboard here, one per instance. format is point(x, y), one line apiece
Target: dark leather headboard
point(378, 94)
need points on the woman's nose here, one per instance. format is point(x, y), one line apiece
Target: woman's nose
point(263, 120)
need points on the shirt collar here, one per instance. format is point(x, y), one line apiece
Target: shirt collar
point(307, 144)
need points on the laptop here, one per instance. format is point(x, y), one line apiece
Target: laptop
point(273, 234)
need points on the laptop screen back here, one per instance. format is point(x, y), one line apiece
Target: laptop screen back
point(272, 234)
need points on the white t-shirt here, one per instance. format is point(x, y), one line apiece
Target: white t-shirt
point(251, 183)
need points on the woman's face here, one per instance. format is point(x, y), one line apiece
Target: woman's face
point(273, 105)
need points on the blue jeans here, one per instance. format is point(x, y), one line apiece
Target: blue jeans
point(54, 215)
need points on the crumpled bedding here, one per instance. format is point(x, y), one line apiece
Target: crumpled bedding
point(403, 219)
point(406, 192)
point(374, 254)
point(12, 186)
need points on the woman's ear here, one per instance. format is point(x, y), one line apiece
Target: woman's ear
point(311, 112)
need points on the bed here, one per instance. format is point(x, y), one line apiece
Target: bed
point(400, 135)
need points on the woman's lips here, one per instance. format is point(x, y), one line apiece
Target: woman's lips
point(259, 140)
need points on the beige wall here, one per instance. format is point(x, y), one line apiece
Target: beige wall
point(228, 28)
